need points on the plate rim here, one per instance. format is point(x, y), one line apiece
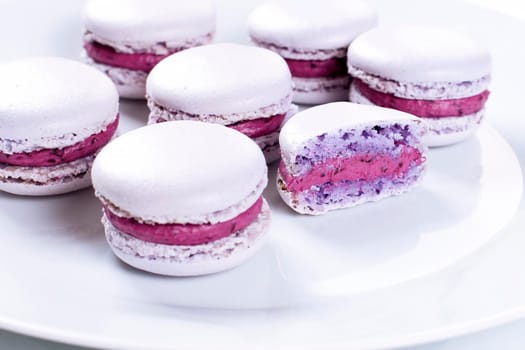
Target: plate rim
point(454, 330)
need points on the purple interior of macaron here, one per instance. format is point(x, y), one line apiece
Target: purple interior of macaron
point(376, 140)
point(343, 166)
point(345, 192)
point(362, 166)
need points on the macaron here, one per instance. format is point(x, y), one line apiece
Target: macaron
point(313, 37)
point(342, 154)
point(125, 39)
point(55, 115)
point(245, 88)
point(183, 198)
point(437, 74)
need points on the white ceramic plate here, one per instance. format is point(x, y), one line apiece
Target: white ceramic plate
point(62, 278)
point(316, 284)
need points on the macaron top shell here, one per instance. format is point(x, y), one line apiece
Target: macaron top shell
point(419, 54)
point(337, 116)
point(328, 24)
point(180, 172)
point(149, 21)
point(49, 97)
point(220, 79)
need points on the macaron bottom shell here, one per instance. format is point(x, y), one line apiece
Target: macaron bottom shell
point(320, 96)
point(61, 179)
point(172, 260)
point(269, 145)
point(129, 83)
point(449, 131)
point(132, 91)
point(313, 91)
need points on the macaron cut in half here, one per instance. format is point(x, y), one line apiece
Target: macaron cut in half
point(243, 87)
point(342, 154)
point(55, 115)
point(183, 198)
point(126, 38)
point(313, 38)
point(434, 73)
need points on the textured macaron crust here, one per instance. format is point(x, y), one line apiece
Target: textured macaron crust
point(243, 87)
point(313, 38)
point(55, 115)
point(126, 39)
point(197, 187)
point(431, 72)
point(343, 154)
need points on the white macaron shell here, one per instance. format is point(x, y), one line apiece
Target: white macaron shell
point(328, 24)
point(419, 54)
point(149, 21)
point(49, 97)
point(333, 117)
point(220, 79)
point(179, 171)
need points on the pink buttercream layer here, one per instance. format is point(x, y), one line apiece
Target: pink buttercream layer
point(425, 108)
point(185, 234)
point(357, 167)
point(136, 61)
point(259, 127)
point(318, 68)
point(51, 157)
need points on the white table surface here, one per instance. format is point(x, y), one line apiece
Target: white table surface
point(510, 336)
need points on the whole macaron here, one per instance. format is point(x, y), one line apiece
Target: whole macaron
point(313, 37)
point(437, 74)
point(55, 115)
point(126, 38)
point(339, 155)
point(243, 87)
point(183, 198)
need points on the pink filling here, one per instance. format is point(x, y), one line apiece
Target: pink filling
point(50, 157)
point(318, 68)
point(358, 167)
point(185, 234)
point(136, 61)
point(425, 108)
point(259, 127)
